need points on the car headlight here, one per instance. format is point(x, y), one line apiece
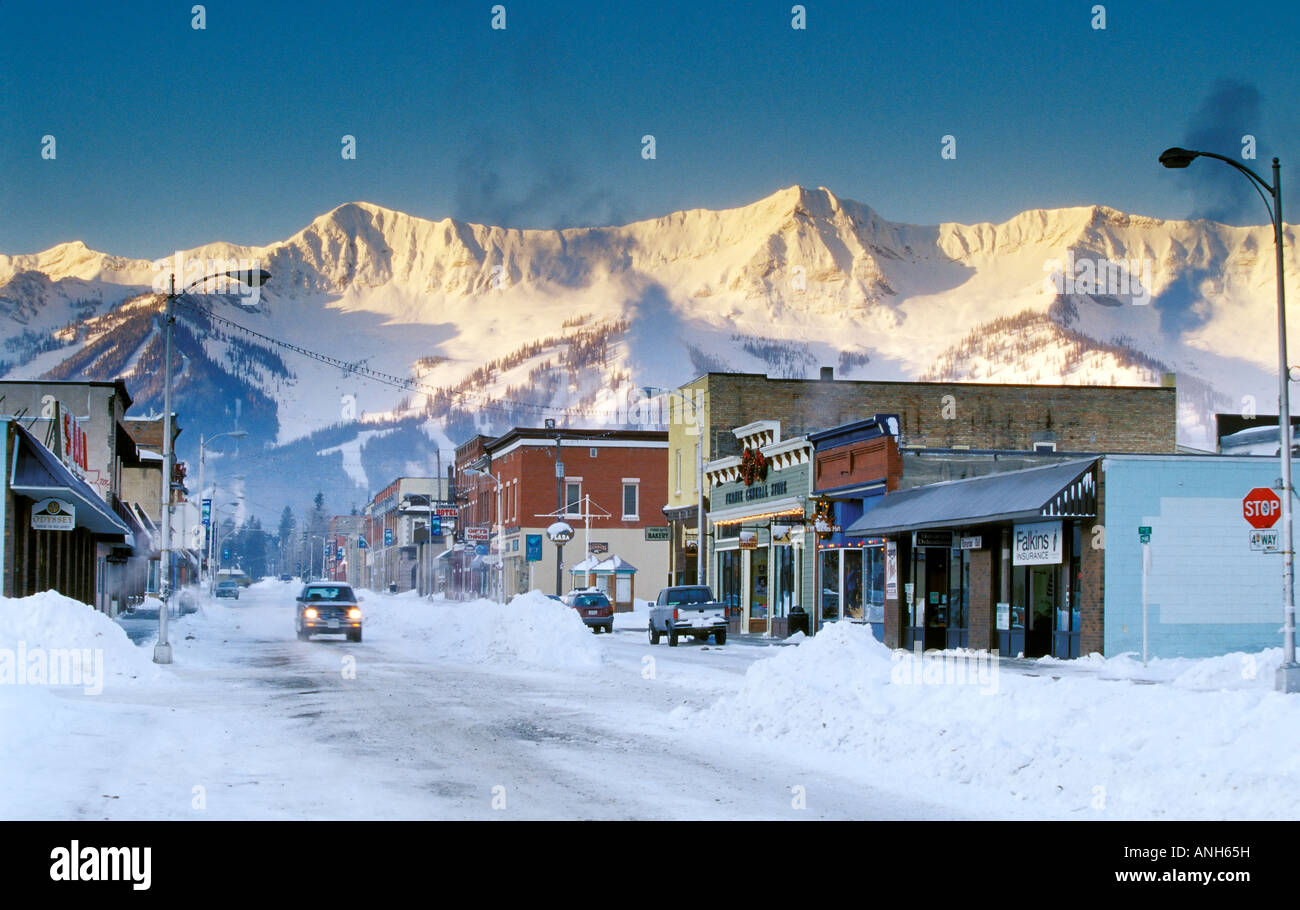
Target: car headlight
point(310, 612)
point(354, 613)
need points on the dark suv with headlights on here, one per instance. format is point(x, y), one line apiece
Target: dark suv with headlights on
point(594, 608)
point(328, 608)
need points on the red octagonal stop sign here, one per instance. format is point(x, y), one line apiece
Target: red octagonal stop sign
point(1261, 507)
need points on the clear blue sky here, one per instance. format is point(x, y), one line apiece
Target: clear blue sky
point(170, 137)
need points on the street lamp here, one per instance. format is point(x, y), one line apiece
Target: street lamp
point(501, 528)
point(699, 476)
point(253, 278)
point(1288, 675)
point(233, 434)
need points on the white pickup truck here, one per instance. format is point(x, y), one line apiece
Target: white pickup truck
point(688, 610)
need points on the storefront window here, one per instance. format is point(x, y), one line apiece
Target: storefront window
point(874, 571)
point(729, 580)
point(958, 587)
point(1019, 599)
point(1076, 579)
point(758, 584)
point(784, 573)
point(829, 572)
point(853, 584)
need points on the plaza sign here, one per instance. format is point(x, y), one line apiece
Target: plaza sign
point(1036, 544)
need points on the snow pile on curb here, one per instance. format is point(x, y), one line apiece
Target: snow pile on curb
point(1006, 744)
point(531, 629)
point(44, 630)
point(637, 619)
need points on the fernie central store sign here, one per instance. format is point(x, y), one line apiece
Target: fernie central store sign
point(1036, 544)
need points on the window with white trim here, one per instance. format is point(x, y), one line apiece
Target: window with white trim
point(572, 497)
point(630, 500)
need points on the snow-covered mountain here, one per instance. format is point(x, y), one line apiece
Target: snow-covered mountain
point(493, 326)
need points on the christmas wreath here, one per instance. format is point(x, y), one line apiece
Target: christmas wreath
point(753, 467)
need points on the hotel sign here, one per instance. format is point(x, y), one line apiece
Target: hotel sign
point(1036, 544)
point(72, 442)
point(53, 515)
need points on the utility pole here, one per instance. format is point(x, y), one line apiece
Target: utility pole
point(559, 507)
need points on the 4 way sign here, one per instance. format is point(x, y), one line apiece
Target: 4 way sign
point(1261, 508)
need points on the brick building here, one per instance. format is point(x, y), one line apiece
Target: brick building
point(1048, 560)
point(395, 554)
point(943, 415)
point(612, 491)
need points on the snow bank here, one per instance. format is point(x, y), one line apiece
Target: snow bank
point(1007, 744)
point(531, 629)
point(47, 638)
point(637, 619)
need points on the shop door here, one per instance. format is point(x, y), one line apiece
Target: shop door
point(1042, 598)
point(758, 591)
point(936, 598)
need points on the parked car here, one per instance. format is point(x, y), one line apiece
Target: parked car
point(228, 588)
point(594, 608)
point(286, 577)
point(688, 610)
point(328, 608)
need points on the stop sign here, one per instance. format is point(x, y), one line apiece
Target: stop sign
point(1261, 507)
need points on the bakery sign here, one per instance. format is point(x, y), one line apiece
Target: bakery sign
point(53, 515)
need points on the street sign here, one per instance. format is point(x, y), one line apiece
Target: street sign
point(1268, 540)
point(533, 547)
point(207, 512)
point(435, 526)
point(481, 549)
point(1144, 534)
point(478, 533)
point(388, 537)
point(1261, 507)
point(361, 543)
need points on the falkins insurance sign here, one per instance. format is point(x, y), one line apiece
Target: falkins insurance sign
point(1037, 544)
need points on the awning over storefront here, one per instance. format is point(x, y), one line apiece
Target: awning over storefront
point(37, 473)
point(781, 509)
point(1064, 490)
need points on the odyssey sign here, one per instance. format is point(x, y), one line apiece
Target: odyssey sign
point(1036, 544)
point(53, 515)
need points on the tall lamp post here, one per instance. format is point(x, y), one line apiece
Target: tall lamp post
point(162, 651)
point(1288, 675)
point(203, 443)
point(649, 391)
